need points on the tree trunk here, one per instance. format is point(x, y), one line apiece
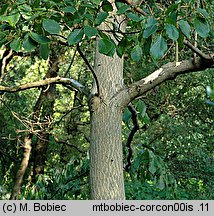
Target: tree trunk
point(43, 112)
point(23, 167)
point(106, 158)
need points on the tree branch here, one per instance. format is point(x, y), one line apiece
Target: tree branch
point(167, 71)
point(197, 51)
point(139, 10)
point(89, 66)
point(131, 135)
point(46, 82)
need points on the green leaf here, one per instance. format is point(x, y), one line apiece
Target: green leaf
point(134, 17)
point(121, 47)
point(123, 9)
point(203, 12)
point(69, 9)
point(126, 115)
point(44, 51)
point(172, 32)
point(16, 44)
point(152, 167)
point(101, 17)
point(158, 48)
point(202, 27)
point(75, 36)
point(11, 19)
point(29, 44)
point(51, 26)
point(151, 27)
point(136, 53)
point(185, 27)
point(161, 184)
point(106, 6)
point(90, 31)
point(141, 107)
point(107, 47)
point(97, 2)
point(39, 38)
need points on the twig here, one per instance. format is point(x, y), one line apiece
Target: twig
point(72, 61)
point(89, 66)
point(68, 144)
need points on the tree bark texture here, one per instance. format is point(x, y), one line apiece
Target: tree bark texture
point(106, 158)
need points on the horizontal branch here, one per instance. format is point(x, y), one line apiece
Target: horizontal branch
point(166, 72)
point(67, 82)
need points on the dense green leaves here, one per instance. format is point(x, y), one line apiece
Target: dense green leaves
point(158, 48)
point(51, 26)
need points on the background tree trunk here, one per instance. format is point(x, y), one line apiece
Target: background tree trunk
point(20, 173)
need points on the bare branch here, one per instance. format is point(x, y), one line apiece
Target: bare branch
point(68, 144)
point(46, 82)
